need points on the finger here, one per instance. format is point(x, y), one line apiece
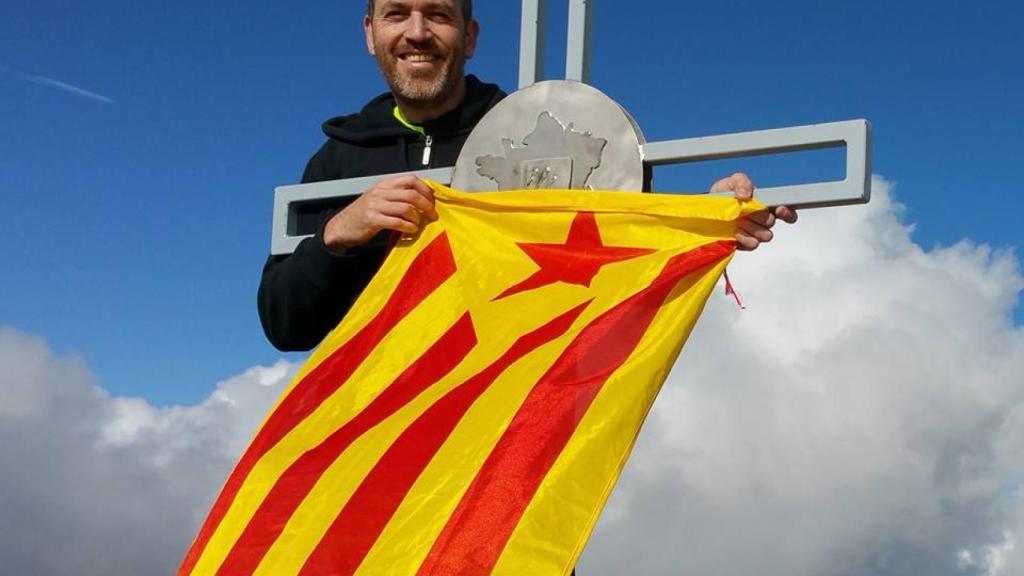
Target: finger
point(746, 242)
point(743, 186)
point(739, 184)
point(422, 187)
point(786, 214)
point(423, 202)
point(417, 184)
point(385, 222)
point(403, 210)
point(413, 197)
point(756, 230)
point(764, 218)
point(404, 181)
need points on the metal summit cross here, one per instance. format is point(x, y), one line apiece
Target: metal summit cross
point(571, 135)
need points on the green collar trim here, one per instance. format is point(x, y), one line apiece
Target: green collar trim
point(398, 116)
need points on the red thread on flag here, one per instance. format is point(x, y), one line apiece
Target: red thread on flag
point(730, 291)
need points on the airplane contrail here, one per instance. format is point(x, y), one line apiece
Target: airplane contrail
point(71, 88)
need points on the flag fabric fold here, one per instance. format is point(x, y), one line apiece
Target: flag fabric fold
point(472, 412)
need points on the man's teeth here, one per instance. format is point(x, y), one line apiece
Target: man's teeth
point(418, 57)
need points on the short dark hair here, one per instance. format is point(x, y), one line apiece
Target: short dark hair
point(467, 9)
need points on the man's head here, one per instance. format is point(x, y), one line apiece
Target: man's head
point(421, 46)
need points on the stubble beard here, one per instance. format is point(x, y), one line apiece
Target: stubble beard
point(423, 91)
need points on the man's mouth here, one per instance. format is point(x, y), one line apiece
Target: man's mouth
point(416, 57)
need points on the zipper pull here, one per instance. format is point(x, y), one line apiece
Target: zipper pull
point(426, 150)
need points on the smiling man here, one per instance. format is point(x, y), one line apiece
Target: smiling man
point(421, 47)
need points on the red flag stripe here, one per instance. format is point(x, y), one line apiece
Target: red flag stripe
point(296, 482)
point(431, 268)
point(478, 530)
point(361, 521)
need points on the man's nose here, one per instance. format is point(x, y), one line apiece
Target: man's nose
point(418, 29)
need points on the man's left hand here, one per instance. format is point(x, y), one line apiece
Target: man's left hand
point(756, 228)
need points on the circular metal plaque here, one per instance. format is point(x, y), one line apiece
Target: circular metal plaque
point(554, 134)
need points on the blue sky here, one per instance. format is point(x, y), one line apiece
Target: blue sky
point(141, 142)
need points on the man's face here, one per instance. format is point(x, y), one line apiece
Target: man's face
point(421, 46)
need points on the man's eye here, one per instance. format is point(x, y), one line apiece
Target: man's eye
point(441, 17)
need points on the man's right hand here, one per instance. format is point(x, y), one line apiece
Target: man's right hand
point(398, 203)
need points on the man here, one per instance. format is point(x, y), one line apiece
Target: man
point(421, 47)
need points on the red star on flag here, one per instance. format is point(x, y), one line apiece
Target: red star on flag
point(576, 261)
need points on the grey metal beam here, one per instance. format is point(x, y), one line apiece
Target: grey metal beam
point(289, 199)
point(531, 42)
point(577, 50)
point(855, 188)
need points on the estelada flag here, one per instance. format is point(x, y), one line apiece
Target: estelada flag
point(472, 412)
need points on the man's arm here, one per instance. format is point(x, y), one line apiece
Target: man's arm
point(303, 295)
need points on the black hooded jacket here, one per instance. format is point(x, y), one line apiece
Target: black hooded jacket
point(303, 295)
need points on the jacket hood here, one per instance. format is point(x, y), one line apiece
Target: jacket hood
point(376, 121)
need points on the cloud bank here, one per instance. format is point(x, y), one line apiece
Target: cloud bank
point(94, 485)
point(864, 415)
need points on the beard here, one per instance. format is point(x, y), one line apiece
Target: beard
point(423, 88)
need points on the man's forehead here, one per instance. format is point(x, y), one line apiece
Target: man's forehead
point(421, 4)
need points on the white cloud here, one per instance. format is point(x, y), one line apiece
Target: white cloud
point(94, 485)
point(864, 415)
point(992, 559)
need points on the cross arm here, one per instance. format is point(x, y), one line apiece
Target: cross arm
point(855, 135)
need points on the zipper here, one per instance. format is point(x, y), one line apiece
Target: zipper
point(426, 149)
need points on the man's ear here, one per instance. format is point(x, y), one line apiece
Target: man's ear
point(472, 32)
point(368, 31)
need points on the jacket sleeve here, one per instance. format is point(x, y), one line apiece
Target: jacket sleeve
point(303, 295)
